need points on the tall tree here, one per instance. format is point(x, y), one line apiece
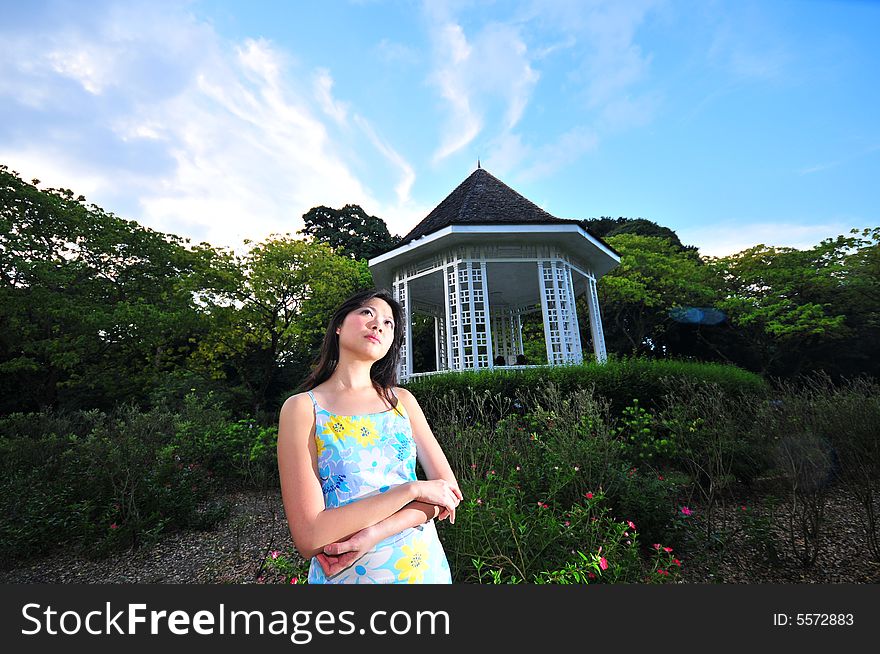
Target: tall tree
point(640, 297)
point(91, 310)
point(270, 310)
point(349, 230)
point(790, 307)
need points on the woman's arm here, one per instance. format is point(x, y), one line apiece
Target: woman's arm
point(336, 557)
point(311, 524)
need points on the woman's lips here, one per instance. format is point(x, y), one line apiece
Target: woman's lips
point(373, 338)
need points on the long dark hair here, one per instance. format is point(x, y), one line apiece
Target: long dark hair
point(383, 372)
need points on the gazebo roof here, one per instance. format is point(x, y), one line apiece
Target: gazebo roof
point(483, 199)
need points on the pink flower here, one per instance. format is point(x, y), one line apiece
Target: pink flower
point(656, 546)
point(631, 524)
point(274, 554)
point(667, 549)
point(259, 580)
point(686, 510)
point(295, 580)
point(114, 526)
point(479, 501)
point(589, 496)
point(661, 571)
point(473, 466)
point(591, 575)
point(567, 523)
point(603, 563)
point(660, 477)
point(491, 472)
point(743, 507)
point(676, 562)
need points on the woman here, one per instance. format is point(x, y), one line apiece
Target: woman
point(347, 451)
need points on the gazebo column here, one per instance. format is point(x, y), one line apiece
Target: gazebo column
point(576, 354)
point(401, 291)
point(595, 321)
point(440, 342)
point(560, 320)
point(469, 337)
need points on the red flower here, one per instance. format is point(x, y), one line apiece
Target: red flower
point(591, 575)
point(589, 496)
point(113, 526)
point(667, 549)
point(676, 562)
point(603, 563)
point(656, 546)
point(661, 571)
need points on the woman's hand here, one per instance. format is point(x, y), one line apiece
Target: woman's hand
point(444, 494)
point(446, 513)
point(338, 556)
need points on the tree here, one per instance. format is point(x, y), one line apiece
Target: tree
point(796, 310)
point(270, 311)
point(92, 311)
point(349, 229)
point(638, 298)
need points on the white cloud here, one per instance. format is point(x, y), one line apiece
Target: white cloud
point(725, 238)
point(185, 133)
point(474, 75)
point(408, 176)
point(323, 84)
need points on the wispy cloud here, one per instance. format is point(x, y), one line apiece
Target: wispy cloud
point(474, 75)
point(175, 127)
point(408, 176)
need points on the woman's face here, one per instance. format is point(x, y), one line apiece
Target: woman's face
point(368, 330)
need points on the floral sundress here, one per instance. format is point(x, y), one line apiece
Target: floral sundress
point(364, 455)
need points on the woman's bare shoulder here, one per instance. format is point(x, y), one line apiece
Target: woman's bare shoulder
point(296, 404)
point(405, 396)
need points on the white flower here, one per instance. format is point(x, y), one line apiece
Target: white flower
point(371, 467)
point(368, 569)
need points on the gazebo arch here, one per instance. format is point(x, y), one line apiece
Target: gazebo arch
point(482, 259)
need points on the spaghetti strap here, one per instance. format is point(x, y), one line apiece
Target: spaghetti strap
point(314, 401)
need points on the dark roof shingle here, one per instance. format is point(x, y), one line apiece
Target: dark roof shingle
point(483, 199)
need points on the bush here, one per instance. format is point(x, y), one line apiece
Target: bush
point(95, 483)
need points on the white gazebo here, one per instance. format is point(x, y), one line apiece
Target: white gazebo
point(481, 260)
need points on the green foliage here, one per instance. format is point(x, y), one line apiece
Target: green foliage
point(636, 298)
point(94, 309)
point(94, 482)
point(620, 380)
point(349, 231)
point(239, 453)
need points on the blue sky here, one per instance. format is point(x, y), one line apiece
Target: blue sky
point(733, 123)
